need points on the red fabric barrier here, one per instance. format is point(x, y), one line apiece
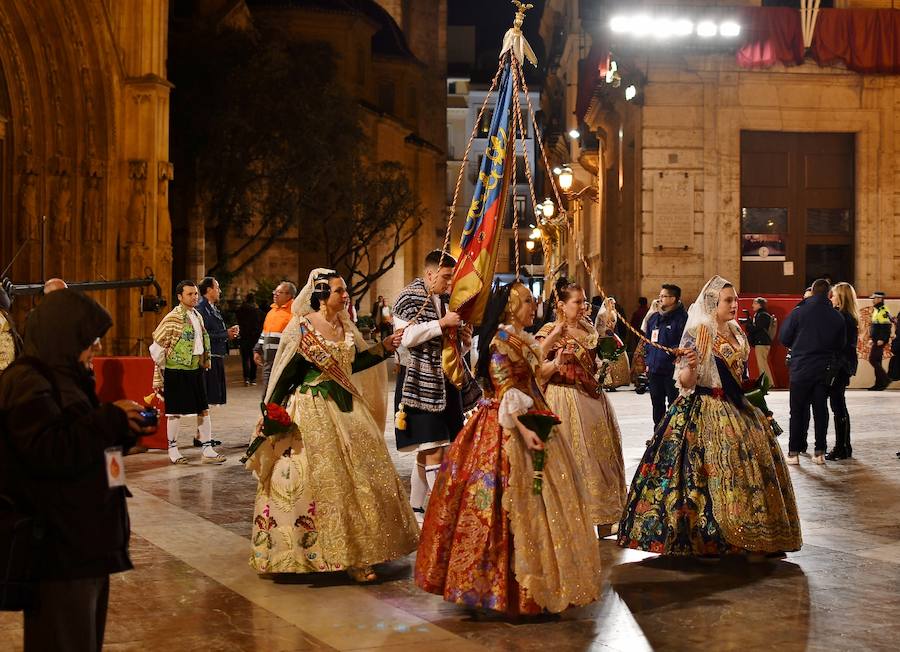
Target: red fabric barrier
point(129, 377)
point(780, 306)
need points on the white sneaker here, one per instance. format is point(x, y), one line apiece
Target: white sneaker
point(793, 460)
point(819, 459)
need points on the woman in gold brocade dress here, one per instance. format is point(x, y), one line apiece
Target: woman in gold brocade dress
point(588, 420)
point(328, 498)
point(488, 539)
point(713, 480)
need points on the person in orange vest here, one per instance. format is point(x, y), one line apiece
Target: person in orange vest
point(276, 321)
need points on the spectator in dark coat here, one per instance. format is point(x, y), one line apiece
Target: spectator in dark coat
point(664, 327)
point(843, 298)
point(815, 333)
point(250, 321)
point(758, 335)
point(53, 464)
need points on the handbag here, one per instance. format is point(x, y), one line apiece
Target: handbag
point(19, 533)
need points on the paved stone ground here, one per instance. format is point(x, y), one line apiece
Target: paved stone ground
point(192, 588)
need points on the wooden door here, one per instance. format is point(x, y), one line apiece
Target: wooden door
point(797, 199)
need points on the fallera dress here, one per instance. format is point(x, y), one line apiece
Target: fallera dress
point(588, 422)
point(488, 540)
point(713, 480)
point(328, 497)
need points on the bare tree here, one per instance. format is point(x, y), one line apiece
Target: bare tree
point(380, 214)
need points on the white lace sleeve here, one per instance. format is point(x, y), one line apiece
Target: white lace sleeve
point(513, 404)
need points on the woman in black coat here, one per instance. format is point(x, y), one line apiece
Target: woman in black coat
point(843, 298)
point(53, 463)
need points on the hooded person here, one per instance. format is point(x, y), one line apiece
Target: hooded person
point(713, 480)
point(57, 441)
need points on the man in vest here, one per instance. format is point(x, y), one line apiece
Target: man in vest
point(180, 350)
point(277, 319)
point(879, 334)
point(432, 405)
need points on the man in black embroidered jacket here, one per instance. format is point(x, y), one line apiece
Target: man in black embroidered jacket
point(433, 406)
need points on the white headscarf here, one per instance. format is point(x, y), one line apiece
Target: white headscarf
point(371, 382)
point(700, 334)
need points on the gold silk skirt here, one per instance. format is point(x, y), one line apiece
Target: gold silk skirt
point(329, 497)
point(590, 426)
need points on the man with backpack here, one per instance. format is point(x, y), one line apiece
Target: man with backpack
point(761, 330)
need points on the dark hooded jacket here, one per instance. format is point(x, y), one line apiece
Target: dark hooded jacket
point(52, 441)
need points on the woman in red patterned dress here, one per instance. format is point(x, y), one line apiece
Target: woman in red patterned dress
point(488, 539)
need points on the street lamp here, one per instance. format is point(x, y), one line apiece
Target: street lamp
point(566, 178)
point(548, 208)
point(529, 245)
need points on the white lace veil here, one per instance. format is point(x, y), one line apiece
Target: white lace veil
point(700, 334)
point(371, 382)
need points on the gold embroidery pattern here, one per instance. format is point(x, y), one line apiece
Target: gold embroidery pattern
point(334, 499)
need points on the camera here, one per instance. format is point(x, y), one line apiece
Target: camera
point(149, 418)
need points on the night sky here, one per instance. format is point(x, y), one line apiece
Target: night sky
point(492, 18)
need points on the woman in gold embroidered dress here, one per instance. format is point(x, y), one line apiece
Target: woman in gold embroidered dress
point(328, 497)
point(713, 480)
point(574, 394)
point(488, 539)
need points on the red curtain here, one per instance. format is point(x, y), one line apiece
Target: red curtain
point(771, 35)
point(590, 70)
point(865, 40)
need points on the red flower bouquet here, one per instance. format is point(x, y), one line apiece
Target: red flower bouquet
point(276, 422)
point(541, 422)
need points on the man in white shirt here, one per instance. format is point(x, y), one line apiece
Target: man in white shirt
point(432, 405)
point(180, 350)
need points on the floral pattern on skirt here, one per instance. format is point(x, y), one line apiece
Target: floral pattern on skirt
point(467, 551)
point(712, 481)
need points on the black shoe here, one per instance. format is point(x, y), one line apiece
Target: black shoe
point(199, 444)
point(836, 454)
point(877, 388)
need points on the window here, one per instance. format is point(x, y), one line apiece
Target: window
point(484, 127)
point(518, 203)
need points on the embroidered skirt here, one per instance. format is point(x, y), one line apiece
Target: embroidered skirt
point(713, 481)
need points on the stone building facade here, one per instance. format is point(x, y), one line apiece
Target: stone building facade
point(696, 122)
point(84, 141)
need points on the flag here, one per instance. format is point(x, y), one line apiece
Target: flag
point(474, 271)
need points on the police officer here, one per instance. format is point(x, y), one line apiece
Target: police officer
point(879, 334)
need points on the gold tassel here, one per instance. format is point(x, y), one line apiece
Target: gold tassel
point(400, 418)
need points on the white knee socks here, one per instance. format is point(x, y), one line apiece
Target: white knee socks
point(431, 472)
point(173, 425)
point(418, 487)
point(204, 429)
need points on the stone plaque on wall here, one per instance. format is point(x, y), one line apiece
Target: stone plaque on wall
point(673, 210)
